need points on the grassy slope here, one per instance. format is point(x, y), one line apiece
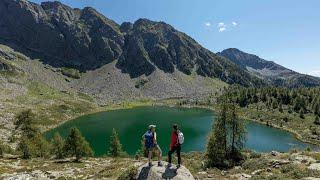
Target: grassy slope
point(296, 125)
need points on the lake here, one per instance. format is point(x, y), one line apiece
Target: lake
point(195, 123)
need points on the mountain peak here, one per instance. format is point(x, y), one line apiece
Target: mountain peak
point(268, 70)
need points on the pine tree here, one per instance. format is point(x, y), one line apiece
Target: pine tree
point(41, 146)
point(115, 149)
point(58, 146)
point(216, 151)
point(25, 121)
point(274, 103)
point(142, 152)
point(32, 143)
point(280, 108)
point(317, 120)
point(301, 114)
point(237, 130)
point(76, 145)
point(1, 149)
point(26, 148)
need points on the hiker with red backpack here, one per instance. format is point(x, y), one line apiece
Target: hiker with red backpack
point(150, 142)
point(177, 140)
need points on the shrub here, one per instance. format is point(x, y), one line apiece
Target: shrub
point(73, 73)
point(140, 82)
point(129, 174)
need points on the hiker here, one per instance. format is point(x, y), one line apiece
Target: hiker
point(177, 139)
point(150, 142)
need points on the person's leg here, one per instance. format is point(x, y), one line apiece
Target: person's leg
point(159, 155)
point(170, 155)
point(149, 156)
point(179, 155)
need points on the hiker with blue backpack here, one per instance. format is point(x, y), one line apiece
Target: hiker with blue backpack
point(150, 142)
point(177, 140)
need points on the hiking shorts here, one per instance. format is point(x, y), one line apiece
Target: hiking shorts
point(155, 148)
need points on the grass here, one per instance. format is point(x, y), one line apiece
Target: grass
point(287, 121)
point(70, 72)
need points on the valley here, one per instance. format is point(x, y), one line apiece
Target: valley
point(62, 67)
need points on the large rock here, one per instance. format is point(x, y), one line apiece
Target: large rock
point(156, 173)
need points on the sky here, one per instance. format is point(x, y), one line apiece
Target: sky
point(284, 31)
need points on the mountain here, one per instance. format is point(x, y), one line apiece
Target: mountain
point(273, 73)
point(85, 40)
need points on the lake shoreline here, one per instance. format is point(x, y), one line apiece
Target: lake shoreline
point(170, 103)
point(174, 105)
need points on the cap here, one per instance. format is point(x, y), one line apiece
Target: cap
point(152, 126)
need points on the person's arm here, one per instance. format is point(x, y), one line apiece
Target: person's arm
point(155, 138)
point(172, 144)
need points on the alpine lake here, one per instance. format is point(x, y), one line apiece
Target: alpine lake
point(195, 123)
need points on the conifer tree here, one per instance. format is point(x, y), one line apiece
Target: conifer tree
point(26, 148)
point(216, 151)
point(76, 145)
point(115, 149)
point(280, 108)
point(237, 131)
point(25, 121)
point(317, 120)
point(301, 114)
point(58, 146)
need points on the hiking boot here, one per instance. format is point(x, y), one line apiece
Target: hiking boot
point(150, 164)
point(169, 165)
point(160, 164)
point(178, 166)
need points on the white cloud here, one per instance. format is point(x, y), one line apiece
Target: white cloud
point(208, 24)
point(315, 73)
point(234, 23)
point(222, 26)
point(221, 29)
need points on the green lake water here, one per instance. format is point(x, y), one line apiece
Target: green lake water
point(195, 123)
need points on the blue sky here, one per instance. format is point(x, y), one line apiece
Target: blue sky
point(284, 31)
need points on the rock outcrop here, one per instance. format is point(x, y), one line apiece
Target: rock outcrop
point(145, 172)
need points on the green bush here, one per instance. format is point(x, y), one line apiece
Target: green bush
point(73, 73)
point(129, 174)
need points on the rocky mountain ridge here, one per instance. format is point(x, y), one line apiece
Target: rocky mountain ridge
point(271, 72)
point(86, 40)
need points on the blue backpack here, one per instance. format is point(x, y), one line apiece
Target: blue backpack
point(149, 139)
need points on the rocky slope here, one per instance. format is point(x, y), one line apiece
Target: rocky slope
point(274, 73)
point(274, 165)
point(86, 40)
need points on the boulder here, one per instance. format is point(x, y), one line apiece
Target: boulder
point(314, 166)
point(145, 172)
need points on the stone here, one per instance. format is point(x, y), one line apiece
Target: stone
point(242, 176)
point(145, 172)
point(298, 159)
point(274, 153)
point(257, 172)
point(314, 166)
